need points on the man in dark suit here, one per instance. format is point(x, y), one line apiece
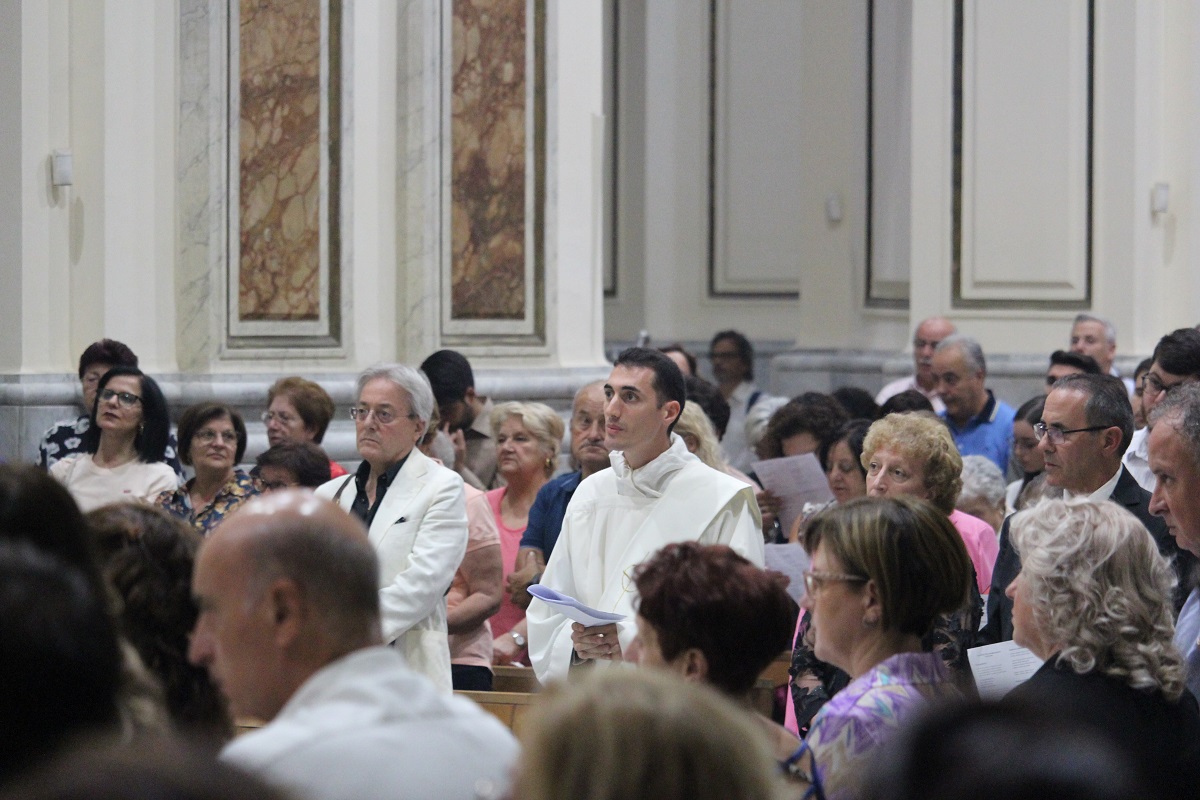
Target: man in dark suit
point(1086, 426)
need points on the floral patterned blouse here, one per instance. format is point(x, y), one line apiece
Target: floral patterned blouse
point(65, 438)
point(868, 712)
point(227, 500)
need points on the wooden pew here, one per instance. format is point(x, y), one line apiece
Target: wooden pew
point(510, 708)
point(515, 679)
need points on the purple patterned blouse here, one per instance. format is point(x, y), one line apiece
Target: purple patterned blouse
point(867, 713)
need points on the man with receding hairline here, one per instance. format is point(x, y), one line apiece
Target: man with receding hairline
point(928, 335)
point(289, 628)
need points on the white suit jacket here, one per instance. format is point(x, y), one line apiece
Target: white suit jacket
point(420, 535)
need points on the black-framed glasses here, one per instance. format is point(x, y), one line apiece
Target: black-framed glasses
point(1057, 435)
point(814, 580)
point(1153, 385)
point(124, 399)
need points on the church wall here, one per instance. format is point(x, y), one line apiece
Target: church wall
point(1025, 271)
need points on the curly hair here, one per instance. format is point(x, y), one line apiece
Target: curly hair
point(1100, 592)
point(539, 419)
point(147, 557)
point(708, 597)
point(924, 439)
point(694, 422)
point(816, 414)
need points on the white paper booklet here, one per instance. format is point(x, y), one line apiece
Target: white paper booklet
point(572, 608)
point(1000, 668)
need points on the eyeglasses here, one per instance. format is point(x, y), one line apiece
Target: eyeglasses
point(384, 416)
point(124, 399)
point(273, 486)
point(814, 580)
point(208, 436)
point(718, 356)
point(1057, 435)
point(1152, 385)
point(1023, 443)
point(284, 419)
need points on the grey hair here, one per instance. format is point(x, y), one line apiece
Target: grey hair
point(598, 384)
point(338, 574)
point(1110, 330)
point(982, 479)
point(1107, 402)
point(1100, 592)
point(1181, 406)
point(412, 381)
point(971, 351)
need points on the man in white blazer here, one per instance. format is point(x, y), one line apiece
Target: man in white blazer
point(415, 512)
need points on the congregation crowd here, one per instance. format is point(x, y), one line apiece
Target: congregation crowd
point(160, 595)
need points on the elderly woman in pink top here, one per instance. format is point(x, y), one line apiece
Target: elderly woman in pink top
point(914, 454)
point(528, 436)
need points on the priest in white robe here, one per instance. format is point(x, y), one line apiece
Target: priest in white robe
point(656, 493)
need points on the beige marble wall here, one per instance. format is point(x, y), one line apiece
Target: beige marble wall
point(279, 152)
point(488, 175)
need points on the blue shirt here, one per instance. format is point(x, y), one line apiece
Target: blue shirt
point(988, 433)
point(546, 514)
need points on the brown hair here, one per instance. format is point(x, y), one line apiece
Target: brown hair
point(907, 548)
point(313, 403)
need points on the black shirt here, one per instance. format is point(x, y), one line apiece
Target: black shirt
point(362, 507)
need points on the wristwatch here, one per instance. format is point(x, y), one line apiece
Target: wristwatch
point(518, 638)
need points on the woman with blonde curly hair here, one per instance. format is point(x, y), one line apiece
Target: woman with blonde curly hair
point(528, 436)
point(1093, 599)
point(914, 454)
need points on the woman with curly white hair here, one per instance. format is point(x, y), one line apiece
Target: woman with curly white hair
point(1093, 599)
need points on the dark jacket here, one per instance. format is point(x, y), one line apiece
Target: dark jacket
point(1128, 494)
point(1161, 737)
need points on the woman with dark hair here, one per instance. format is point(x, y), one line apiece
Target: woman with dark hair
point(842, 459)
point(37, 509)
point(710, 616)
point(212, 440)
point(1025, 450)
point(147, 556)
point(123, 445)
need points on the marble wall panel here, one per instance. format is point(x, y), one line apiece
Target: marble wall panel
point(279, 278)
point(488, 215)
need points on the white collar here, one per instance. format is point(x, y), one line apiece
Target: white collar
point(650, 480)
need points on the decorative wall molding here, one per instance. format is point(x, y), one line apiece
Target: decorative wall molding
point(1022, 208)
point(754, 160)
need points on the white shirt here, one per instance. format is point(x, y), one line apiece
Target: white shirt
point(1104, 492)
point(367, 726)
point(93, 486)
point(1137, 459)
point(611, 525)
point(733, 444)
point(903, 385)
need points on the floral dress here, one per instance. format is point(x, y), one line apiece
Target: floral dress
point(179, 502)
point(852, 726)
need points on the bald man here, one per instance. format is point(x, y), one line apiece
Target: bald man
point(926, 338)
point(289, 628)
